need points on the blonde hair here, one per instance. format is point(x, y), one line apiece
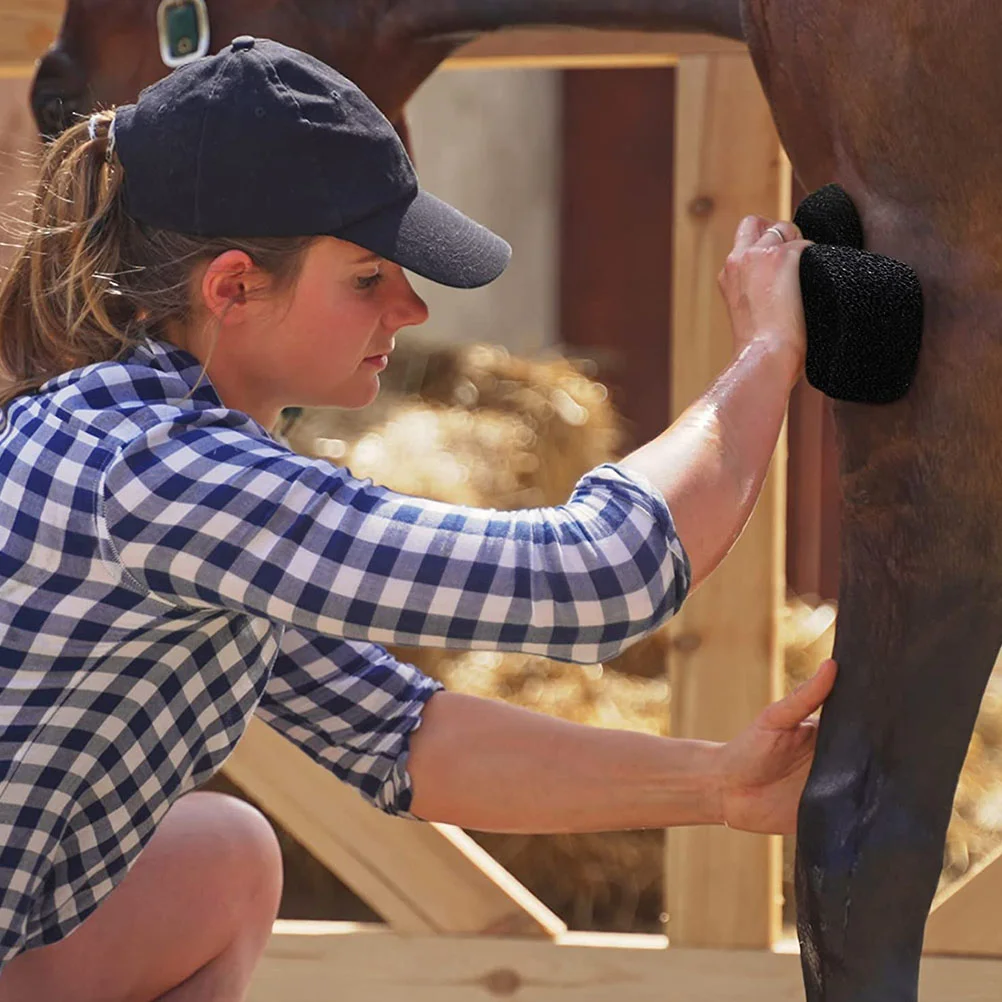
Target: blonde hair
point(88, 280)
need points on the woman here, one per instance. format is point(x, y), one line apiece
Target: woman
point(232, 244)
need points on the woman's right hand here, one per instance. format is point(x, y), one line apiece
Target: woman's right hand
point(761, 285)
point(760, 774)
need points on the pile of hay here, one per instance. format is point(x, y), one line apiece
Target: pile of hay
point(976, 824)
point(470, 425)
point(475, 425)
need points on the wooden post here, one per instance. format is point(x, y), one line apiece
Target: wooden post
point(723, 887)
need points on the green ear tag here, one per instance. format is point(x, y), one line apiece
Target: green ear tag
point(184, 31)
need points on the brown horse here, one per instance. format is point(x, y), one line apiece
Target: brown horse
point(896, 101)
point(106, 53)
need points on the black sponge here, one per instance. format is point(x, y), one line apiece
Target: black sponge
point(829, 216)
point(864, 323)
point(864, 311)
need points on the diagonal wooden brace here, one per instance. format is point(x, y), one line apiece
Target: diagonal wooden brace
point(421, 878)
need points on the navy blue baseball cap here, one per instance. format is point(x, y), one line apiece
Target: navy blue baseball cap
point(262, 140)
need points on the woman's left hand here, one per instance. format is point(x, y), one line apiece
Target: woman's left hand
point(761, 773)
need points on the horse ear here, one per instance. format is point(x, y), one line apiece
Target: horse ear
point(399, 122)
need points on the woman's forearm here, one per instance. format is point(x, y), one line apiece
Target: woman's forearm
point(711, 463)
point(488, 766)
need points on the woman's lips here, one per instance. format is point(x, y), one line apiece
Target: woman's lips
point(377, 361)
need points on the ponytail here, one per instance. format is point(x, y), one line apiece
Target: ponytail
point(88, 281)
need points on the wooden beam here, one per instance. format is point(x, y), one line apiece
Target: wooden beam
point(967, 920)
point(723, 887)
point(319, 961)
point(583, 48)
point(421, 878)
point(28, 28)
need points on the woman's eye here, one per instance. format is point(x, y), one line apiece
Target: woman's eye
point(368, 281)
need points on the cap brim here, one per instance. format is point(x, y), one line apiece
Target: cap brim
point(431, 238)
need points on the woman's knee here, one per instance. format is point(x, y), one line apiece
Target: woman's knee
point(213, 875)
point(248, 845)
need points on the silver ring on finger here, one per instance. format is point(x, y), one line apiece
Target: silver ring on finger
point(778, 232)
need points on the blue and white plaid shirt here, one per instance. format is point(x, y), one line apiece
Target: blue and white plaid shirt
point(167, 569)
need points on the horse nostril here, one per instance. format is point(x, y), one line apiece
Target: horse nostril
point(54, 112)
point(57, 93)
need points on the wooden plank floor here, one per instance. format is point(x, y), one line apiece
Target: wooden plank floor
point(319, 962)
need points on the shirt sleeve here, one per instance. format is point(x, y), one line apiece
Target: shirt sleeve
point(214, 517)
point(351, 707)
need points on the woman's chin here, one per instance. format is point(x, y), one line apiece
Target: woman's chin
point(355, 396)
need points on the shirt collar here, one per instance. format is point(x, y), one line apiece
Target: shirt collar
point(182, 376)
point(167, 357)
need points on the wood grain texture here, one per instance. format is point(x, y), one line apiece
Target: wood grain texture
point(318, 962)
point(724, 887)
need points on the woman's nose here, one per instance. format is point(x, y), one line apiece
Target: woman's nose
point(57, 93)
point(408, 309)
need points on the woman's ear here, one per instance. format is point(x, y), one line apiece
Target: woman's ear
point(228, 282)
